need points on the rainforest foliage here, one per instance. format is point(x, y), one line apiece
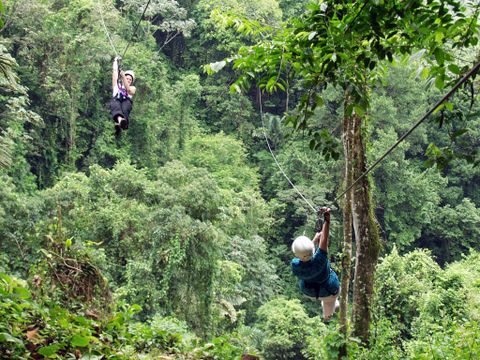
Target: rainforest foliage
point(173, 239)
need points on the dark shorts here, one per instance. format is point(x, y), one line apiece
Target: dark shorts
point(327, 288)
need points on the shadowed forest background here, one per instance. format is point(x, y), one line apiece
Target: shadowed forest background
point(172, 241)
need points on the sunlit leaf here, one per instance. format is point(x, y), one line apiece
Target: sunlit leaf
point(217, 66)
point(439, 82)
point(439, 36)
point(50, 349)
point(425, 73)
point(360, 111)
point(234, 88)
point(438, 108)
point(80, 340)
point(22, 293)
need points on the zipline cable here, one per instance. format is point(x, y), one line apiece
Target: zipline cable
point(134, 31)
point(136, 27)
point(108, 35)
point(275, 158)
point(472, 72)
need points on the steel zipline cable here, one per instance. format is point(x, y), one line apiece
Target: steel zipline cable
point(134, 31)
point(275, 158)
point(136, 27)
point(469, 74)
point(106, 33)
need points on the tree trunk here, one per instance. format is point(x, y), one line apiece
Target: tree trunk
point(347, 139)
point(367, 238)
point(181, 127)
point(72, 128)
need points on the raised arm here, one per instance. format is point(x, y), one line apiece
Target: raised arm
point(325, 230)
point(316, 239)
point(114, 73)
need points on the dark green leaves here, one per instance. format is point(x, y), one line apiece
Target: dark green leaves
point(326, 143)
point(454, 69)
point(458, 133)
point(7, 338)
point(439, 56)
point(438, 156)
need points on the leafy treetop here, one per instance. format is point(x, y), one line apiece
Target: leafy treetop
point(343, 42)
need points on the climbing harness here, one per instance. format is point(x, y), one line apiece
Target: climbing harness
point(469, 74)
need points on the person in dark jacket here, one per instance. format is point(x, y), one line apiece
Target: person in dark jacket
point(311, 266)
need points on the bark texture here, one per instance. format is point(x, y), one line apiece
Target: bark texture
point(367, 238)
point(347, 140)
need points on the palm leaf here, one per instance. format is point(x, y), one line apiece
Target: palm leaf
point(7, 63)
point(5, 153)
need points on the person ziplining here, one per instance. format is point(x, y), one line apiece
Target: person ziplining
point(122, 95)
point(122, 88)
point(316, 278)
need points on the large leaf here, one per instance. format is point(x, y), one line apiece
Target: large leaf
point(6, 337)
point(217, 66)
point(80, 340)
point(50, 350)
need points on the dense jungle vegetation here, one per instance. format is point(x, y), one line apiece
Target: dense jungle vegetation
point(172, 240)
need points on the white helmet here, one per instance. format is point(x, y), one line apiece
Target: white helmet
point(303, 248)
point(131, 73)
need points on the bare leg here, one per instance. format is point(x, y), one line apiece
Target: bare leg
point(329, 305)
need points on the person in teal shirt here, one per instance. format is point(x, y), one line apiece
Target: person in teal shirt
point(316, 278)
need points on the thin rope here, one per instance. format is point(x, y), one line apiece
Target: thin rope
point(107, 33)
point(440, 102)
point(275, 158)
point(136, 27)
